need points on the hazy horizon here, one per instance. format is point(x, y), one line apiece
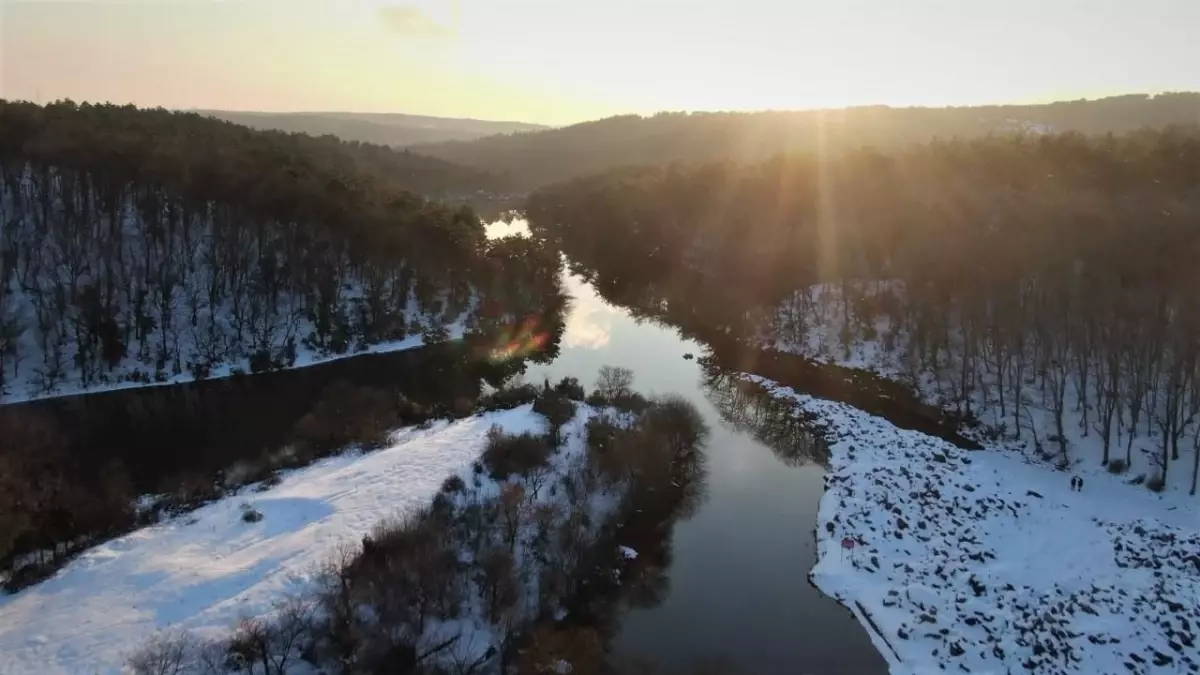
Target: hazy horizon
point(558, 63)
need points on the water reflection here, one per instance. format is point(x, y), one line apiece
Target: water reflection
point(589, 325)
point(792, 435)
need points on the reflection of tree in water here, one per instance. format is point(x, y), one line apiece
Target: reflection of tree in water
point(673, 488)
point(793, 436)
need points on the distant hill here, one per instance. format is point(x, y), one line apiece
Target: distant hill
point(534, 159)
point(379, 128)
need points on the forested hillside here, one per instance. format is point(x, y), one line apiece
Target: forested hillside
point(533, 160)
point(150, 246)
point(1057, 270)
point(378, 128)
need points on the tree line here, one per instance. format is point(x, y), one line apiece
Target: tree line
point(145, 245)
point(532, 160)
point(1055, 270)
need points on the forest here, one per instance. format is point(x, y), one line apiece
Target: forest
point(1054, 268)
point(146, 246)
point(532, 160)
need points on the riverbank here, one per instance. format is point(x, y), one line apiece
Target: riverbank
point(986, 562)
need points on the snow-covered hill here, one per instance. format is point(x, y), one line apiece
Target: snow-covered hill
point(205, 570)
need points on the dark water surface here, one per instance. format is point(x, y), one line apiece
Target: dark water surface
point(738, 590)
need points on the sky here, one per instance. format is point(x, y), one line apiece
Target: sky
point(562, 61)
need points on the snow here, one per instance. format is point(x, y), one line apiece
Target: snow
point(628, 553)
point(205, 570)
point(989, 561)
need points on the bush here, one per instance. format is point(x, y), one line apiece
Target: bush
point(454, 484)
point(1156, 483)
point(1117, 466)
point(570, 388)
point(270, 481)
point(510, 397)
point(346, 415)
point(601, 434)
point(164, 654)
point(557, 409)
point(507, 454)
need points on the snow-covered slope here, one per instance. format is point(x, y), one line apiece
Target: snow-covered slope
point(989, 562)
point(207, 569)
point(813, 323)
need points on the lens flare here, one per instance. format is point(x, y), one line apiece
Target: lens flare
point(520, 340)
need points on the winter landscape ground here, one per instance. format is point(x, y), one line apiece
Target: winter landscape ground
point(206, 570)
point(986, 562)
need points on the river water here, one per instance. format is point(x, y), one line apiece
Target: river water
point(738, 588)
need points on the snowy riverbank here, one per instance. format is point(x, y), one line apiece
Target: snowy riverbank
point(206, 570)
point(985, 562)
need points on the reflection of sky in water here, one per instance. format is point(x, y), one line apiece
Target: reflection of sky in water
point(589, 325)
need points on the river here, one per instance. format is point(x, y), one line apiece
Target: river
point(738, 589)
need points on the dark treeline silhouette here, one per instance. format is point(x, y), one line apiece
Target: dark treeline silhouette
point(534, 159)
point(144, 246)
point(1058, 269)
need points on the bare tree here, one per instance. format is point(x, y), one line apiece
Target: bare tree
point(169, 652)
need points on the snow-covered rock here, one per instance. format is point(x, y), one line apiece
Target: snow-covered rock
point(985, 562)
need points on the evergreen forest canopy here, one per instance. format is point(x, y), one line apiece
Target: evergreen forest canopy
point(1052, 266)
point(144, 245)
point(531, 160)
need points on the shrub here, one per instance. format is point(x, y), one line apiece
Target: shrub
point(507, 454)
point(270, 481)
point(165, 653)
point(345, 415)
point(557, 409)
point(454, 484)
point(570, 388)
point(1156, 483)
point(601, 434)
point(510, 397)
point(1117, 466)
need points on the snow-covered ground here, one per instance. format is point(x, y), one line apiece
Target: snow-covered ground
point(205, 570)
point(986, 562)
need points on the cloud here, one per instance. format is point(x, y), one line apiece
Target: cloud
point(410, 20)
